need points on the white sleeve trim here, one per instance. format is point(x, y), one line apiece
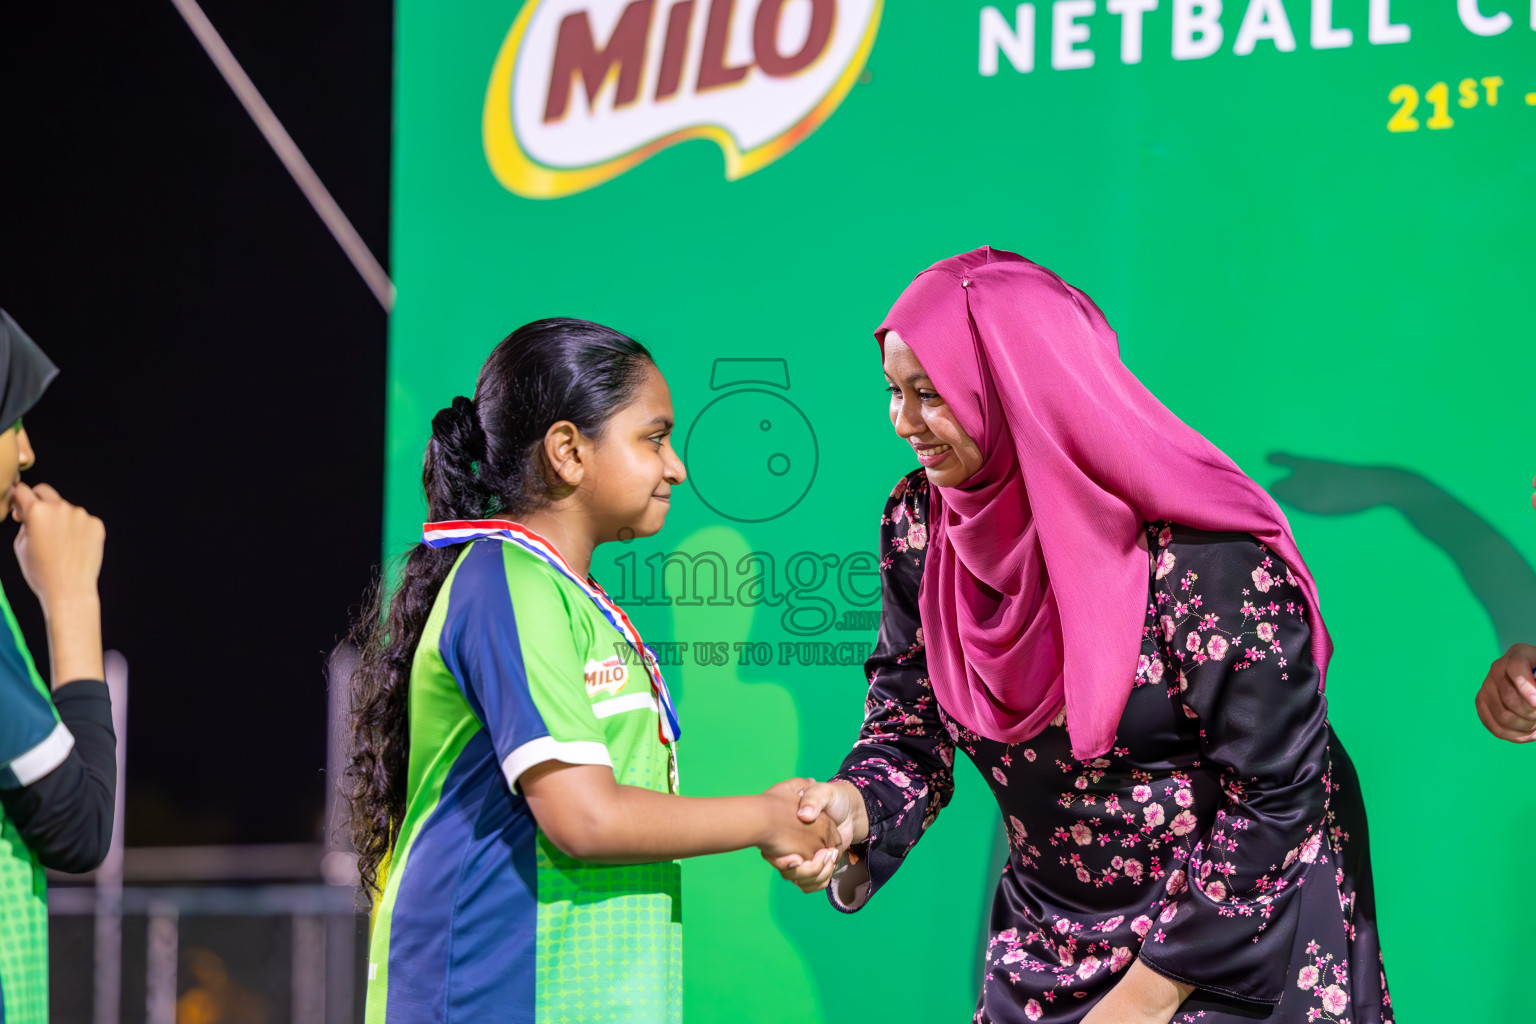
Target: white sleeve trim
point(629, 702)
point(43, 758)
point(547, 748)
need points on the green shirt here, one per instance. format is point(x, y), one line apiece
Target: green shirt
point(482, 918)
point(33, 742)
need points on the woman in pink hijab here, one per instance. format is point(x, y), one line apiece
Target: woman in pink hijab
point(1114, 624)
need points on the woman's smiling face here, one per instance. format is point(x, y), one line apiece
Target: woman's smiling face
point(923, 419)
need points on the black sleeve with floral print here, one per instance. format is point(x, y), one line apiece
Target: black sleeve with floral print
point(1233, 624)
point(904, 759)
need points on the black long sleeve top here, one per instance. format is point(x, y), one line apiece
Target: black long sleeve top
point(65, 817)
point(1221, 841)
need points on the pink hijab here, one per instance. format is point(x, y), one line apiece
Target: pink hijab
point(1034, 590)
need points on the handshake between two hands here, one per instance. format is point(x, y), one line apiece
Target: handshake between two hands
point(813, 824)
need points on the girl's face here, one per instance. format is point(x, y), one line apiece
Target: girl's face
point(15, 455)
point(924, 421)
point(629, 483)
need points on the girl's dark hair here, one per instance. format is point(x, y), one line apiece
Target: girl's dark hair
point(485, 460)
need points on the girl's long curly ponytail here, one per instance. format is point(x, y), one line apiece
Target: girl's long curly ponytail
point(483, 461)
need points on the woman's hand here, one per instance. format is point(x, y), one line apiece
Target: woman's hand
point(842, 804)
point(792, 834)
point(1507, 701)
point(1141, 996)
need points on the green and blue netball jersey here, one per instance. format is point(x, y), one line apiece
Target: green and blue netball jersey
point(482, 919)
point(33, 742)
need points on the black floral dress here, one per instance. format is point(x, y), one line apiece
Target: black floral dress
point(1222, 840)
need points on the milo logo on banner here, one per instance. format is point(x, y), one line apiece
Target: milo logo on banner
point(584, 90)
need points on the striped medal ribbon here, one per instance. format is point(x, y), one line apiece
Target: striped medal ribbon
point(438, 535)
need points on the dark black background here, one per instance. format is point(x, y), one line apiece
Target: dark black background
point(221, 399)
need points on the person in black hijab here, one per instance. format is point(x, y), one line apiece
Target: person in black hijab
point(58, 753)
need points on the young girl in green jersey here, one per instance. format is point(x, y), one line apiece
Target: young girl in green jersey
point(58, 754)
point(515, 759)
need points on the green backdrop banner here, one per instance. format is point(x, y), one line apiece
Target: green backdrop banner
point(1311, 223)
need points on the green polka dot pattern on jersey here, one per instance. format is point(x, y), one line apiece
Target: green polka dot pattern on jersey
point(648, 766)
point(609, 941)
point(23, 932)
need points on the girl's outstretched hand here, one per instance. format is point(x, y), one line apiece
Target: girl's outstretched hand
point(843, 805)
point(793, 835)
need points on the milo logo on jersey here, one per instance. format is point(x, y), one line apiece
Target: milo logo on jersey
point(607, 676)
point(584, 90)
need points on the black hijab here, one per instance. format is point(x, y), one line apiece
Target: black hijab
point(25, 372)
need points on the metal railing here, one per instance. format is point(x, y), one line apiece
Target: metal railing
point(213, 934)
point(325, 937)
